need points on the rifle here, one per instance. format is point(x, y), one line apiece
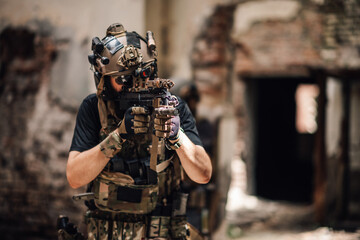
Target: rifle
point(153, 94)
point(145, 93)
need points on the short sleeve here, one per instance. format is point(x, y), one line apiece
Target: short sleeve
point(87, 128)
point(188, 123)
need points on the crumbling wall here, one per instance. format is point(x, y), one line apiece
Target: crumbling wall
point(287, 37)
point(212, 61)
point(44, 76)
point(284, 38)
point(282, 42)
point(354, 153)
point(334, 134)
point(35, 133)
point(290, 41)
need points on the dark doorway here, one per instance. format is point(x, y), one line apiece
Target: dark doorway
point(283, 156)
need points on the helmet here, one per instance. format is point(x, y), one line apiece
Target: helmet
point(127, 56)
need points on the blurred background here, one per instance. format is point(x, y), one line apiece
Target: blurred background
point(274, 86)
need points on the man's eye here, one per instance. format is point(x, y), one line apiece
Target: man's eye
point(119, 80)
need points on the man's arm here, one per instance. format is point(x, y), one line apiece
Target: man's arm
point(83, 167)
point(193, 156)
point(194, 160)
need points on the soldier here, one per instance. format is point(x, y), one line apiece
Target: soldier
point(118, 132)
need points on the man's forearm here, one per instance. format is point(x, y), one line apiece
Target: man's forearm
point(83, 167)
point(194, 160)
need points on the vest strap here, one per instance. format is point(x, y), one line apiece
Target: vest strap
point(162, 166)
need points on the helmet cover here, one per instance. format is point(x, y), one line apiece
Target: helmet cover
point(124, 55)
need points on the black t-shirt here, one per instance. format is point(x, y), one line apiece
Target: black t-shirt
point(87, 128)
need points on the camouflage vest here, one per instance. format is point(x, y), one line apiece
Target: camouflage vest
point(128, 207)
point(122, 185)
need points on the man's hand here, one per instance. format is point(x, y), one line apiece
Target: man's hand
point(166, 126)
point(136, 121)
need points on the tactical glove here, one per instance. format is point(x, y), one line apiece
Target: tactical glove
point(136, 121)
point(170, 130)
point(111, 145)
point(167, 126)
point(175, 127)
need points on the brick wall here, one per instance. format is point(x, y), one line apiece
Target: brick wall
point(35, 133)
point(276, 46)
point(212, 61)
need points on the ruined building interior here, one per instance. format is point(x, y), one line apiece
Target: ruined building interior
point(274, 86)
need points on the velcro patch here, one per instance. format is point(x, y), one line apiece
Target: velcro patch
point(114, 45)
point(132, 39)
point(129, 194)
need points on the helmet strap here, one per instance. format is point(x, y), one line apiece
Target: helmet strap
point(101, 105)
point(105, 108)
point(111, 109)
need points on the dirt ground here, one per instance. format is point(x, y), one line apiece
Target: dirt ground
point(279, 221)
point(251, 218)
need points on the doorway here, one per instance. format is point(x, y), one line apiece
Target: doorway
point(282, 162)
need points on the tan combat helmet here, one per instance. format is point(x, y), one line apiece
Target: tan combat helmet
point(122, 54)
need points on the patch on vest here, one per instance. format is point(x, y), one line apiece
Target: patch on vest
point(129, 194)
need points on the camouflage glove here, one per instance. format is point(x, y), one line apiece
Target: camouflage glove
point(166, 126)
point(111, 145)
point(175, 127)
point(136, 121)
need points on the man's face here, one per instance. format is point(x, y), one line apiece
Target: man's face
point(116, 86)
